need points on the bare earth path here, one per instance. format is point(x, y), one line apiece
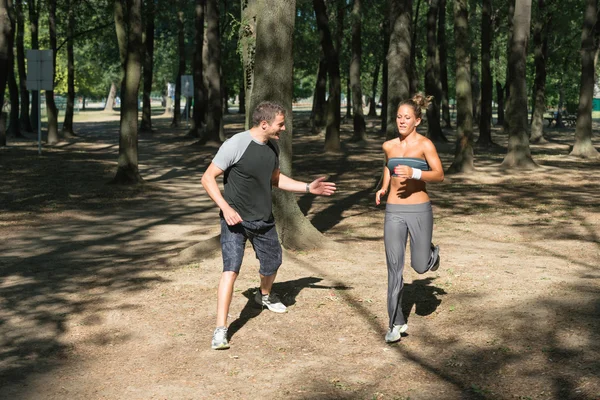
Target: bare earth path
point(91, 308)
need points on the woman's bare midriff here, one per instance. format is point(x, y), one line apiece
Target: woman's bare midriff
point(407, 191)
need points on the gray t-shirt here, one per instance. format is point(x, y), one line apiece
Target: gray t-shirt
point(248, 166)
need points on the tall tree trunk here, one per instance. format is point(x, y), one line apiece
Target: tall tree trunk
point(432, 74)
point(24, 120)
point(273, 81)
point(583, 146)
point(540, 43)
point(317, 114)
point(146, 124)
point(507, 83)
point(51, 110)
point(214, 115)
point(181, 66)
point(348, 97)
point(34, 15)
point(519, 153)
point(441, 41)
point(414, 73)
point(110, 99)
point(67, 128)
point(332, 132)
point(128, 170)
point(385, 69)
point(199, 90)
point(475, 79)
point(356, 85)
point(487, 85)
point(13, 87)
point(373, 102)
point(248, 46)
point(463, 155)
point(398, 58)
point(5, 40)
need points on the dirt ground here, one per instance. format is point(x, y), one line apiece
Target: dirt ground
point(92, 308)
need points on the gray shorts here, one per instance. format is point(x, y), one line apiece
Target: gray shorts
point(264, 239)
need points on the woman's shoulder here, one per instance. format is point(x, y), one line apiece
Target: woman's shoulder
point(388, 144)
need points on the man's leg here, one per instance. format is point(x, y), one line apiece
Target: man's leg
point(224, 296)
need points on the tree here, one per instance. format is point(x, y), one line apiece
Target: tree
point(273, 82)
point(213, 131)
point(357, 111)
point(463, 155)
point(150, 12)
point(248, 48)
point(181, 66)
point(67, 129)
point(398, 61)
point(583, 146)
point(540, 43)
point(24, 121)
point(519, 153)
point(485, 117)
point(5, 34)
point(34, 15)
point(332, 132)
point(432, 74)
point(199, 90)
point(13, 88)
point(475, 80)
point(130, 45)
point(441, 41)
point(51, 110)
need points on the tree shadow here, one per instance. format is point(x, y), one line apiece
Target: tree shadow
point(288, 291)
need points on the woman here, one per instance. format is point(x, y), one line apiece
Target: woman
point(411, 161)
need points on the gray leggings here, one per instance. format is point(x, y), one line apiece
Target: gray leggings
point(400, 221)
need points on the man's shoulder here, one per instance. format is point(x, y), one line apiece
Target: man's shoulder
point(238, 139)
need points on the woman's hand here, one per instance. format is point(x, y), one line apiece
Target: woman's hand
point(403, 171)
point(378, 195)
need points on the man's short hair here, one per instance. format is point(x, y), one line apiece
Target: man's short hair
point(266, 111)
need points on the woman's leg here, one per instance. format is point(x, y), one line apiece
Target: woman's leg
point(420, 226)
point(395, 233)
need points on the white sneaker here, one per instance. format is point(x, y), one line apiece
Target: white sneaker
point(219, 340)
point(394, 334)
point(271, 301)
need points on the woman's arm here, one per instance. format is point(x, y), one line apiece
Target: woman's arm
point(436, 172)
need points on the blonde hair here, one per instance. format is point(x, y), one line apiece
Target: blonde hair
point(418, 102)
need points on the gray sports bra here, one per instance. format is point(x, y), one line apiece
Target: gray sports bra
point(408, 161)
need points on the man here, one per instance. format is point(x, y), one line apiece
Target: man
point(250, 163)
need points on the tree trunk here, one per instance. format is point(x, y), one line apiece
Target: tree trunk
point(51, 110)
point(199, 90)
point(332, 132)
point(34, 29)
point(540, 42)
point(373, 102)
point(67, 128)
point(441, 41)
point(13, 87)
point(181, 67)
point(248, 46)
point(128, 171)
point(398, 60)
point(25, 122)
point(214, 116)
point(384, 70)
point(110, 99)
point(317, 115)
point(146, 124)
point(356, 85)
point(463, 155)
point(487, 85)
point(432, 74)
point(583, 146)
point(273, 81)
point(507, 83)
point(475, 79)
point(519, 153)
point(414, 74)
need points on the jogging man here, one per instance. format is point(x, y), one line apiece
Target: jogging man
point(250, 163)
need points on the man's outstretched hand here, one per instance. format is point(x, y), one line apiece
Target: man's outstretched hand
point(321, 188)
